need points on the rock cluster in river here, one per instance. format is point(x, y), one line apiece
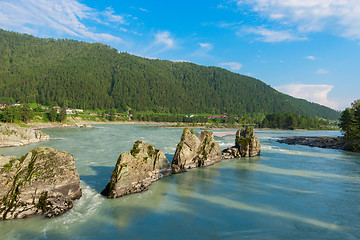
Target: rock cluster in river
point(193, 151)
point(246, 145)
point(43, 182)
point(11, 135)
point(136, 170)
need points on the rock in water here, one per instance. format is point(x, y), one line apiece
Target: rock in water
point(246, 145)
point(43, 182)
point(11, 135)
point(193, 151)
point(247, 142)
point(136, 170)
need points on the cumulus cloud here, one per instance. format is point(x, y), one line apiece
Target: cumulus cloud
point(64, 17)
point(311, 58)
point(235, 66)
point(312, 93)
point(267, 35)
point(342, 17)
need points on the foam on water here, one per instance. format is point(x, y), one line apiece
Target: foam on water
point(84, 209)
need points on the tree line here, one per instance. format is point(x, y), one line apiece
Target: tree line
point(24, 113)
point(290, 121)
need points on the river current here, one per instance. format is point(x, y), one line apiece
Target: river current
point(289, 192)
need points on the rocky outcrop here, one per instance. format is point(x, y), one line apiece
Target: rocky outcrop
point(84, 125)
point(246, 145)
point(193, 151)
point(11, 136)
point(352, 145)
point(136, 170)
point(43, 182)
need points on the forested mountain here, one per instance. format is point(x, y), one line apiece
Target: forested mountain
point(96, 76)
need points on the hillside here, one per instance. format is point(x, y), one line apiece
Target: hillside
point(96, 76)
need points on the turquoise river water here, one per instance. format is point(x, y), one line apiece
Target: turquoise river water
point(289, 192)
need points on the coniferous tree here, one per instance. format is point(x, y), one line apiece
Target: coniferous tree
point(11, 114)
point(112, 115)
point(7, 115)
point(52, 115)
point(27, 113)
point(347, 123)
point(357, 120)
point(350, 121)
point(62, 115)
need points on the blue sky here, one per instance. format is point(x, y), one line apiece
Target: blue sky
point(306, 48)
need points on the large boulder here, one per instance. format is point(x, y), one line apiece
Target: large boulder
point(193, 151)
point(246, 145)
point(43, 182)
point(12, 135)
point(136, 170)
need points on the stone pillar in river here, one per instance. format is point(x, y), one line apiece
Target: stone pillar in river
point(246, 145)
point(193, 151)
point(136, 170)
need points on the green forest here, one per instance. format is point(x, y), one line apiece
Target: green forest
point(291, 121)
point(350, 121)
point(94, 76)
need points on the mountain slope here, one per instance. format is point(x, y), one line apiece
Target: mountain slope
point(95, 76)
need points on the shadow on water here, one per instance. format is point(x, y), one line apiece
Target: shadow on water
point(99, 181)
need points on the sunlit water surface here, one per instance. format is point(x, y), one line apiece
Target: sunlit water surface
point(289, 192)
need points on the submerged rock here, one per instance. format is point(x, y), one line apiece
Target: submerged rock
point(136, 170)
point(43, 182)
point(193, 151)
point(246, 145)
point(11, 135)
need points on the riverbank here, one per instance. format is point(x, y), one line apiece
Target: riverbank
point(352, 145)
point(86, 123)
point(12, 135)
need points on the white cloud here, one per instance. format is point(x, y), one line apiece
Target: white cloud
point(267, 35)
point(341, 17)
point(164, 38)
point(322, 71)
point(235, 66)
point(312, 93)
point(44, 17)
point(162, 42)
point(229, 24)
point(203, 50)
point(208, 46)
point(111, 17)
point(275, 16)
point(311, 58)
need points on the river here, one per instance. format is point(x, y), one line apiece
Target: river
point(289, 192)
